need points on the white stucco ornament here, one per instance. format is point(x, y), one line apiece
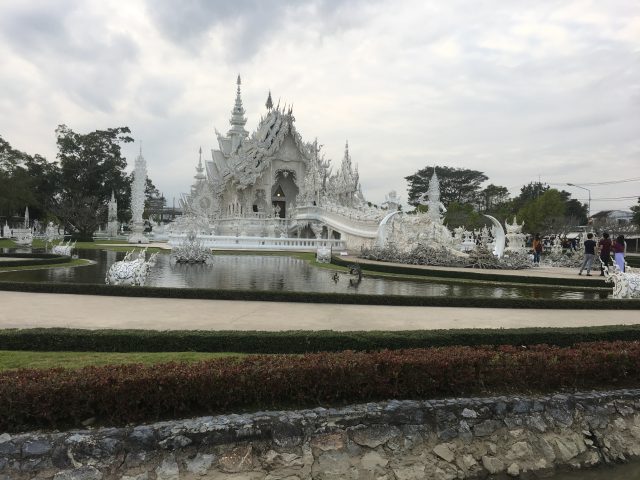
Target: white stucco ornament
point(625, 284)
point(131, 270)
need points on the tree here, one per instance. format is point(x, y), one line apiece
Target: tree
point(456, 184)
point(544, 214)
point(636, 214)
point(528, 193)
point(26, 180)
point(492, 196)
point(91, 167)
point(463, 215)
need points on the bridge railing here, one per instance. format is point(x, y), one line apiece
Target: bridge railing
point(232, 242)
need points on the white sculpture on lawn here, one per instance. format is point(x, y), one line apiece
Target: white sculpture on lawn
point(112, 217)
point(64, 248)
point(137, 200)
point(24, 235)
point(132, 269)
point(515, 237)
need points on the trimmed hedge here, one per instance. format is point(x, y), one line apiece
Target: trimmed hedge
point(469, 274)
point(318, 297)
point(60, 398)
point(32, 259)
point(298, 341)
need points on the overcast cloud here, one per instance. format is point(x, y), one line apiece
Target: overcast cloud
point(518, 90)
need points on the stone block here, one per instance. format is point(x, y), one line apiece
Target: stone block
point(168, 469)
point(443, 451)
point(373, 460)
point(238, 459)
point(329, 441)
point(486, 428)
point(82, 473)
point(200, 464)
point(375, 435)
point(492, 464)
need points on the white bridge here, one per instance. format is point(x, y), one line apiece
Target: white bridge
point(233, 242)
point(343, 223)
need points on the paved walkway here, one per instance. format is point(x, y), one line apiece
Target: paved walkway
point(28, 310)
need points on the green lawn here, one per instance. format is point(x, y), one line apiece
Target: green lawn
point(11, 360)
point(78, 262)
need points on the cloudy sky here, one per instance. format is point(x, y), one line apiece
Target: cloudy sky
point(521, 90)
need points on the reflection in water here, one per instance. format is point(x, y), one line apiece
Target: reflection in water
point(630, 471)
point(256, 272)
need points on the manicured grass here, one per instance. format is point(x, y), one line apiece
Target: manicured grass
point(78, 262)
point(11, 360)
point(4, 243)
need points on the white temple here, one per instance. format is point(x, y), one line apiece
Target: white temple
point(272, 184)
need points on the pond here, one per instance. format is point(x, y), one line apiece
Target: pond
point(280, 272)
point(629, 471)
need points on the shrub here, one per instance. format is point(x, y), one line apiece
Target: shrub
point(61, 398)
point(297, 341)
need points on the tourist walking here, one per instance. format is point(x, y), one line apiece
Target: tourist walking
point(589, 254)
point(537, 250)
point(619, 249)
point(604, 247)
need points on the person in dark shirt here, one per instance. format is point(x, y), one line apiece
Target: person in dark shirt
point(589, 254)
point(604, 246)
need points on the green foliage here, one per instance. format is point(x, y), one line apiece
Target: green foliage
point(456, 184)
point(296, 341)
point(25, 181)
point(492, 196)
point(544, 214)
point(62, 398)
point(10, 360)
point(92, 166)
point(463, 215)
point(31, 259)
point(636, 214)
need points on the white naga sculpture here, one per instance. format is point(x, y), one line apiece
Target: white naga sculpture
point(191, 250)
point(131, 270)
point(137, 200)
point(64, 248)
point(625, 284)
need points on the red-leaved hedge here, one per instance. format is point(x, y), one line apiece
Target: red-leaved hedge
point(59, 398)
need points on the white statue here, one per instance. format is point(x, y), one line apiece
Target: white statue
point(515, 238)
point(64, 248)
point(137, 200)
point(132, 270)
point(323, 255)
point(112, 216)
point(191, 250)
point(625, 284)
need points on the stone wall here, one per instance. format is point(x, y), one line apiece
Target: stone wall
point(392, 440)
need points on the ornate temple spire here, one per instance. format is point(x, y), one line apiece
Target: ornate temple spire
point(238, 120)
point(269, 103)
point(200, 176)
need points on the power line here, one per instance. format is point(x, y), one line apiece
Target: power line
point(595, 184)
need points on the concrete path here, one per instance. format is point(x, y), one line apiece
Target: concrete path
point(28, 310)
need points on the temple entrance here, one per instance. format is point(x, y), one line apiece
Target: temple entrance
point(281, 208)
point(284, 191)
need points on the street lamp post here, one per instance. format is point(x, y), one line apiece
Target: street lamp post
point(589, 204)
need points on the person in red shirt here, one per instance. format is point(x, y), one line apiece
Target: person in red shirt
point(619, 248)
point(604, 247)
